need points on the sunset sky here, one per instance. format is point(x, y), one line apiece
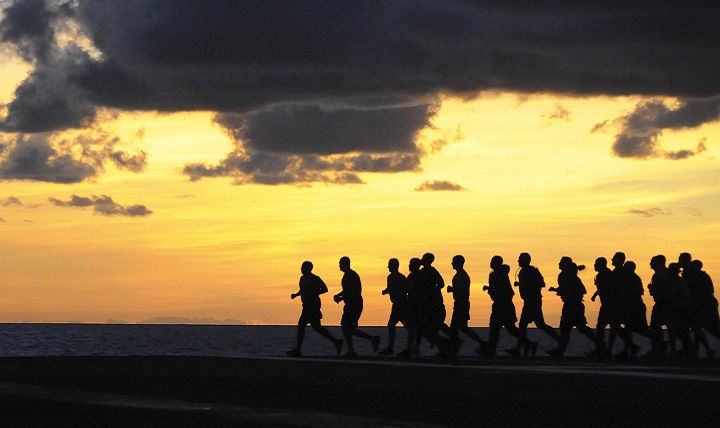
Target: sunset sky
point(184, 161)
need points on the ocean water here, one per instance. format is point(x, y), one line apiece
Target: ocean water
point(224, 340)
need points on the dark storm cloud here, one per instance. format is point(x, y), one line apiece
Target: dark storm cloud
point(34, 158)
point(103, 205)
point(302, 144)
point(641, 129)
point(39, 157)
point(47, 101)
point(352, 67)
point(311, 129)
point(239, 55)
point(27, 24)
point(438, 186)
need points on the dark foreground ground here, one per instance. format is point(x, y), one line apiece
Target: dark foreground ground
point(223, 392)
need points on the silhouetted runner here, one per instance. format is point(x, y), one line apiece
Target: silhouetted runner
point(633, 313)
point(432, 305)
point(662, 311)
point(460, 290)
point(311, 287)
point(671, 309)
point(397, 288)
point(610, 289)
point(415, 305)
point(530, 284)
point(571, 290)
point(704, 306)
point(503, 309)
point(681, 303)
point(351, 294)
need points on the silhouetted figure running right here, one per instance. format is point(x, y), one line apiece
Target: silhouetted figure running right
point(503, 309)
point(311, 287)
point(398, 291)
point(351, 294)
point(460, 290)
point(704, 305)
point(530, 283)
point(571, 290)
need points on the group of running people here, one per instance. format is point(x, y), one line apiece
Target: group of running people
point(683, 294)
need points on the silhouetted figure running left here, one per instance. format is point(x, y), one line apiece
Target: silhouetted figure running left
point(351, 294)
point(460, 290)
point(530, 284)
point(503, 309)
point(311, 287)
point(571, 290)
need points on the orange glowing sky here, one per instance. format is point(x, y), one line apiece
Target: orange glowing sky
point(530, 171)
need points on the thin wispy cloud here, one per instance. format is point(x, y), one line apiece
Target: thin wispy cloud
point(649, 212)
point(10, 201)
point(695, 212)
point(103, 205)
point(559, 113)
point(439, 186)
point(600, 127)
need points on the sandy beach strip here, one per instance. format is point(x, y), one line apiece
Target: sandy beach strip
point(370, 391)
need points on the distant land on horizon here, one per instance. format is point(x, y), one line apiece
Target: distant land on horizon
point(181, 320)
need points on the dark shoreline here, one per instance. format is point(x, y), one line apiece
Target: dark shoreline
point(213, 391)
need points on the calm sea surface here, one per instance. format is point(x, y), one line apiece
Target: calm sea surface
point(218, 340)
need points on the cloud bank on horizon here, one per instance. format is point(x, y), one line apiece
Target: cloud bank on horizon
point(319, 91)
